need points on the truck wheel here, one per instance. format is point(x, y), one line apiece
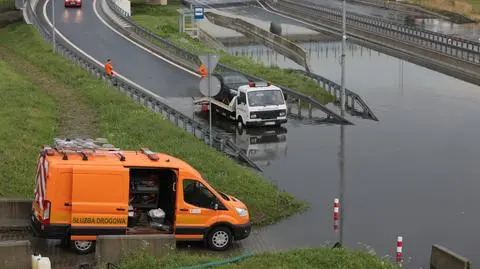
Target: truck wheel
point(220, 238)
point(82, 247)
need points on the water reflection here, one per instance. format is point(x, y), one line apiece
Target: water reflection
point(70, 15)
point(468, 31)
point(262, 144)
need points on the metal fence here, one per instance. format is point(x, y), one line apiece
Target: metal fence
point(352, 100)
point(193, 58)
point(143, 96)
point(457, 47)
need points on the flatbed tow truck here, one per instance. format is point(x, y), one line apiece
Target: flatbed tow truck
point(254, 104)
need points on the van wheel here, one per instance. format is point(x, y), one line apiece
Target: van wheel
point(220, 238)
point(83, 247)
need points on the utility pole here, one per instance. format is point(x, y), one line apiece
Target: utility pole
point(342, 127)
point(209, 104)
point(53, 27)
point(344, 44)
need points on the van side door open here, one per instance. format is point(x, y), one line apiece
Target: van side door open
point(99, 201)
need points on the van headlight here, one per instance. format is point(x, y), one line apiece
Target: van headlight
point(242, 212)
point(253, 116)
point(282, 114)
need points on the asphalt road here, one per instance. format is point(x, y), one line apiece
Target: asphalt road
point(83, 27)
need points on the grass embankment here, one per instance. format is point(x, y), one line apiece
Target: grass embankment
point(8, 13)
point(7, 5)
point(467, 8)
point(123, 122)
point(302, 259)
point(28, 118)
point(163, 20)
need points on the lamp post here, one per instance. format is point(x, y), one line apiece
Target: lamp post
point(53, 27)
point(342, 62)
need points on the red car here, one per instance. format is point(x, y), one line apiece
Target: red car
point(73, 3)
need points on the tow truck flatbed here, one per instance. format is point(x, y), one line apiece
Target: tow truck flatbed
point(204, 101)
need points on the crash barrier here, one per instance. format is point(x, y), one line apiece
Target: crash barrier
point(221, 262)
point(279, 43)
point(466, 50)
point(442, 258)
point(15, 254)
point(14, 213)
point(351, 99)
point(110, 248)
point(142, 95)
point(169, 47)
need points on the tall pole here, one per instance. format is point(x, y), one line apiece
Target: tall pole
point(209, 104)
point(53, 27)
point(344, 41)
point(342, 127)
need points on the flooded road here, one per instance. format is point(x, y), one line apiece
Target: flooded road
point(412, 174)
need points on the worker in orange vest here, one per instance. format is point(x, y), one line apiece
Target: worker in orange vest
point(109, 68)
point(203, 71)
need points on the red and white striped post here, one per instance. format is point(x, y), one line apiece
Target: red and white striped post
point(336, 213)
point(399, 249)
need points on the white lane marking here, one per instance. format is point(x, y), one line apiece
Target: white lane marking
point(138, 45)
point(95, 60)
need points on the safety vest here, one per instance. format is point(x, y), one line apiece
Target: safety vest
point(108, 69)
point(203, 70)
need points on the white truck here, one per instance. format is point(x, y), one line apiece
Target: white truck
point(251, 104)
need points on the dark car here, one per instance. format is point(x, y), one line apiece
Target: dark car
point(230, 80)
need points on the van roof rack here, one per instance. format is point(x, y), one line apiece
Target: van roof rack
point(150, 154)
point(83, 147)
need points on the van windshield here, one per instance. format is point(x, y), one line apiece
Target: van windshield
point(265, 98)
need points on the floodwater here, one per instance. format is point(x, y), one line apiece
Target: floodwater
point(412, 174)
point(469, 31)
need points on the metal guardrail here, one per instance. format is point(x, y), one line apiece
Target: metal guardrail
point(164, 43)
point(143, 96)
point(351, 98)
point(460, 48)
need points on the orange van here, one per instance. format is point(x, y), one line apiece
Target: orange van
point(86, 188)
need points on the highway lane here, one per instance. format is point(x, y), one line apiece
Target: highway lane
point(86, 30)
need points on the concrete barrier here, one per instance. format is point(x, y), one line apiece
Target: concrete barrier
point(442, 258)
point(15, 213)
point(15, 255)
point(110, 248)
point(278, 43)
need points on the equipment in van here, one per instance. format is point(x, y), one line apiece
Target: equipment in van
point(85, 188)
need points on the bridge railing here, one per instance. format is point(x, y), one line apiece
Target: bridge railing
point(141, 95)
point(467, 50)
point(352, 99)
point(164, 43)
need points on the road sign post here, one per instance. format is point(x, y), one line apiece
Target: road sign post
point(210, 86)
point(198, 12)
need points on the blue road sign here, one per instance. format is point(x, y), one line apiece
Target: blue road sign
point(198, 13)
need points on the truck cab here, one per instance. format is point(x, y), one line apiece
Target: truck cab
point(260, 105)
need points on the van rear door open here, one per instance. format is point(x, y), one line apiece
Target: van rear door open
point(99, 201)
